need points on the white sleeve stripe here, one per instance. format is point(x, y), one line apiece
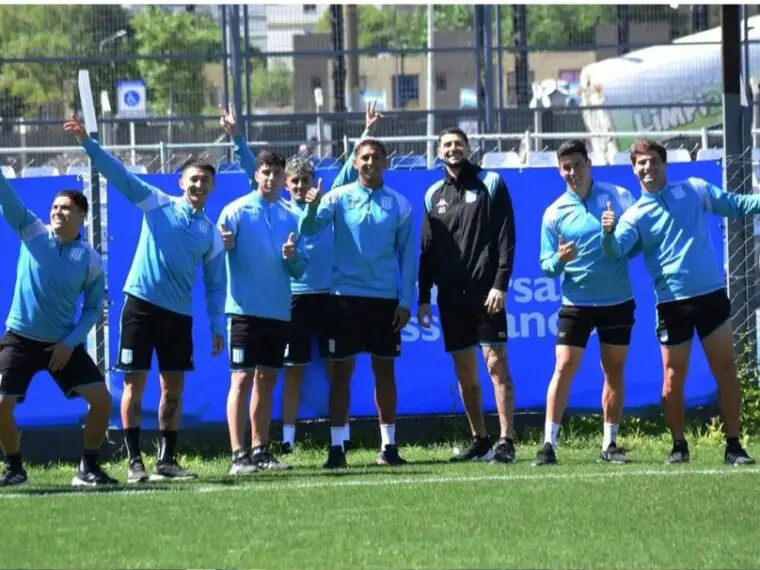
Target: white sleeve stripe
point(701, 189)
point(154, 201)
point(33, 230)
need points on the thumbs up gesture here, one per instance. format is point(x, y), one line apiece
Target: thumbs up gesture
point(227, 237)
point(289, 247)
point(567, 250)
point(314, 195)
point(608, 219)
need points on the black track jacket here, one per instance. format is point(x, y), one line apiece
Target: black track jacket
point(468, 235)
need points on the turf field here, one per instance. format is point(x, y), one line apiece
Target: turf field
point(429, 514)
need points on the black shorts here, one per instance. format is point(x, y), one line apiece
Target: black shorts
point(146, 327)
point(465, 323)
point(613, 323)
point(309, 318)
point(255, 341)
point(676, 320)
point(21, 358)
point(363, 324)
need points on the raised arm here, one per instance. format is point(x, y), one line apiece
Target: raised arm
point(624, 239)
point(319, 212)
point(349, 173)
point(550, 262)
point(94, 293)
point(215, 284)
point(243, 152)
point(137, 191)
point(726, 204)
point(406, 255)
point(21, 219)
point(504, 220)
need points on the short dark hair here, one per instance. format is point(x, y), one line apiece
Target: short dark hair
point(645, 146)
point(573, 146)
point(452, 131)
point(269, 158)
point(371, 142)
point(200, 164)
point(79, 199)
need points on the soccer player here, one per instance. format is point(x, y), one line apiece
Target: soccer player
point(373, 274)
point(263, 258)
point(468, 250)
point(176, 237)
point(310, 311)
point(669, 224)
point(54, 268)
point(596, 294)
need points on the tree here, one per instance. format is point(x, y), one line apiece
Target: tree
point(52, 31)
point(176, 84)
point(548, 25)
point(271, 87)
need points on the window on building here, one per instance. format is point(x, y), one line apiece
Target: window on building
point(309, 8)
point(406, 88)
point(440, 81)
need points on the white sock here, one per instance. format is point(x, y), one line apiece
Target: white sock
point(388, 434)
point(289, 434)
point(347, 432)
point(336, 433)
point(550, 433)
point(610, 434)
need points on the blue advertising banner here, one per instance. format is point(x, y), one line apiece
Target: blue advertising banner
point(426, 380)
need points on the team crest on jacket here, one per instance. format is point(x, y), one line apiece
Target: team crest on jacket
point(441, 205)
point(203, 227)
point(283, 215)
point(77, 254)
point(386, 202)
point(470, 197)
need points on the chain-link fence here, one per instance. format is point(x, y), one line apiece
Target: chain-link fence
point(495, 68)
point(742, 248)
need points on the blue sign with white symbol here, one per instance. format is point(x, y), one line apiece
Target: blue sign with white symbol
point(131, 99)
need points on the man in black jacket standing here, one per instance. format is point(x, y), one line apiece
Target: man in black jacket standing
point(467, 250)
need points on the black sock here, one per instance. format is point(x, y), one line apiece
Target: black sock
point(732, 443)
point(168, 444)
point(13, 460)
point(132, 441)
point(89, 459)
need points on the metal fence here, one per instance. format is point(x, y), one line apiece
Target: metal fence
point(482, 68)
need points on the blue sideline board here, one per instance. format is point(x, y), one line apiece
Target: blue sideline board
point(426, 380)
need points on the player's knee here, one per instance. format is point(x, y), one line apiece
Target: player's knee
point(99, 399)
point(134, 385)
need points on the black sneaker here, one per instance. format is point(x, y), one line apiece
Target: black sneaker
point(679, 453)
point(242, 463)
point(504, 451)
point(545, 456)
point(478, 450)
point(136, 472)
point(286, 448)
point(13, 477)
point(92, 477)
point(736, 455)
point(390, 456)
point(263, 459)
point(336, 458)
point(169, 469)
point(613, 454)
